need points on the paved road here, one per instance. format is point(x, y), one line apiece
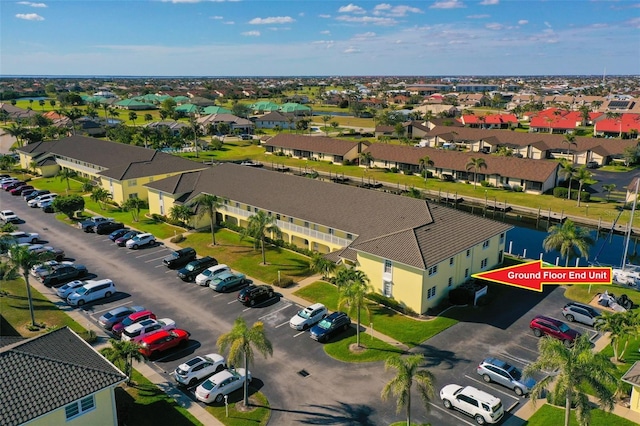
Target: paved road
point(333, 392)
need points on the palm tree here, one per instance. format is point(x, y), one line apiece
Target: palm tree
point(133, 117)
point(353, 286)
point(259, 225)
point(7, 162)
point(65, 174)
point(367, 158)
point(146, 132)
point(73, 114)
point(476, 164)
point(408, 371)
point(620, 326)
point(569, 240)
point(180, 213)
point(17, 131)
point(23, 259)
point(321, 265)
point(240, 342)
point(576, 368)
point(33, 166)
point(326, 119)
point(568, 171)
point(208, 205)
point(100, 195)
point(41, 103)
point(615, 116)
point(399, 130)
point(582, 175)
point(134, 205)
point(148, 117)
point(425, 162)
point(123, 352)
point(569, 139)
point(609, 188)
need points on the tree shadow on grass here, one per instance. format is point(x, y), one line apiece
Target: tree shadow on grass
point(297, 267)
point(340, 413)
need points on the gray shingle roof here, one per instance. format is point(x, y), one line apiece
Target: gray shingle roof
point(321, 144)
point(48, 372)
point(389, 225)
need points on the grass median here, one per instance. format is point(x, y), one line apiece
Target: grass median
point(550, 415)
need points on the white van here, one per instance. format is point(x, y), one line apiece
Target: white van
point(90, 291)
point(209, 274)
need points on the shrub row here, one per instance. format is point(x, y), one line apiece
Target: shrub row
point(561, 192)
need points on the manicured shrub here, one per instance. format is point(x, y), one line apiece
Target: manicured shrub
point(177, 239)
point(485, 183)
point(560, 192)
point(283, 282)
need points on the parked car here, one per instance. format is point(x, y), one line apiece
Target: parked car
point(19, 189)
point(91, 291)
point(227, 280)
point(105, 228)
point(195, 267)
point(46, 200)
point(136, 332)
point(330, 325)
point(8, 181)
point(47, 206)
point(27, 192)
point(141, 240)
point(36, 194)
point(25, 237)
point(308, 317)
point(61, 274)
point(206, 276)
point(498, 371)
point(541, 326)
point(118, 233)
point(116, 315)
point(579, 312)
point(483, 407)
point(151, 346)
point(8, 216)
point(221, 384)
point(122, 241)
point(54, 253)
point(8, 186)
point(199, 368)
point(255, 293)
point(35, 202)
point(90, 224)
point(179, 258)
point(46, 266)
point(133, 318)
point(65, 290)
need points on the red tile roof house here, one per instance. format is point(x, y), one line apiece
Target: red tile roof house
point(532, 176)
point(555, 121)
point(625, 126)
point(537, 146)
point(490, 121)
point(315, 148)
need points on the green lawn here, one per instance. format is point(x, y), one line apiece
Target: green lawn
point(259, 415)
point(241, 255)
point(376, 350)
point(582, 294)
point(404, 329)
point(54, 184)
point(548, 415)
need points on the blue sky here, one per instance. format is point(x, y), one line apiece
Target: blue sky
point(319, 37)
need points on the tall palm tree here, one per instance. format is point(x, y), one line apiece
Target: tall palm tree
point(208, 205)
point(321, 265)
point(575, 369)
point(366, 158)
point(240, 342)
point(569, 139)
point(425, 162)
point(72, 114)
point(123, 352)
point(134, 205)
point(259, 225)
point(23, 259)
point(326, 119)
point(353, 286)
point(100, 195)
point(582, 175)
point(568, 171)
point(408, 371)
point(17, 131)
point(616, 117)
point(476, 164)
point(621, 326)
point(609, 188)
point(146, 132)
point(569, 240)
point(133, 117)
point(65, 174)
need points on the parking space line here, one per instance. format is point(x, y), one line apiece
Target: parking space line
point(280, 325)
point(246, 309)
point(451, 413)
point(275, 312)
point(218, 295)
point(110, 308)
point(515, 358)
point(153, 260)
point(493, 388)
point(174, 353)
point(168, 270)
point(297, 334)
point(233, 301)
point(148, 254)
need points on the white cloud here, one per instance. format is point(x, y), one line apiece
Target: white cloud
point(28, 3)
point(368, 34)
point(217, 17)
point(325, 32)
point(523, 22)
point(272, 20)
point(323, 16)
point(397, 11)
point(382, 6)
point(635, 23)
point(367, 20)
point(30, 17)
point(351, 8)
point(351, 49)
point(251, 33)
point(489, 2)
point(447, 4)
point(548, 25)
point(327, 43)
point(494, 26)
point(485, 16)
point(229, 22)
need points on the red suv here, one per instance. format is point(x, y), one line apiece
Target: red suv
point(161, 341)
point(132, 319)
point(542, 325)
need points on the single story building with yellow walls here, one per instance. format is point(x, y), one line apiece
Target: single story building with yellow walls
point(632, 377)
point(55, 379)
point(119, 168)
point(411, 250)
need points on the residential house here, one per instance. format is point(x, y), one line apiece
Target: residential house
point(404, 245)
point(553, 120)
point(120, 169)
point(133, 105)
point(274, 119)
point(632, 377)
point(57, 379)
point(295, 109)
point(17, 114)
point(624, 125)
point(489, 121)
point(236, 124)
point(319, 148)
point(174, 127)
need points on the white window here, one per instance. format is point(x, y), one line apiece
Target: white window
point(450, 283)
point(133, 195)
point(484, 262)
point(433, 270)
point(79, 407)
point(387, 266)
point(431, 293)
point(387, 288)
point(133, 182)
point(485, 244)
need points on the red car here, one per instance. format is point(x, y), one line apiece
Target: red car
point(161, 341)
point(13, 185)
point(542, 326)
point(18, 190)
point(132, 319)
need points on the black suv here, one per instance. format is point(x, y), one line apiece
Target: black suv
point(63, 273)
point(105, 228)
point(193, 268)
point(179, 257)
point(255, 293)
point(327, 327)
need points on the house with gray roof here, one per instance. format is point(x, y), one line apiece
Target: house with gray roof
point(57, 378)
point(411, 250)
point(319, 148)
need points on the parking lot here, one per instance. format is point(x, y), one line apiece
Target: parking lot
point(332, 392)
